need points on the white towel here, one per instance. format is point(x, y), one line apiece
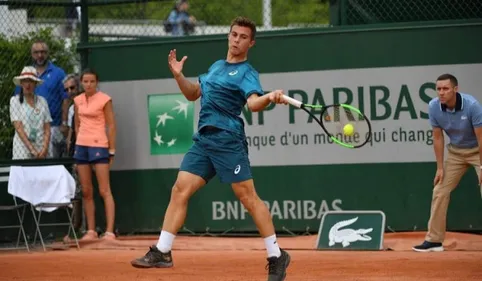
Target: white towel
point(41, 184)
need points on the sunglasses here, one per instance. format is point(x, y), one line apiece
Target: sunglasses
point(69, 88)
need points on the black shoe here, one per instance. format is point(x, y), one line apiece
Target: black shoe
point(153, 258)
point(277, 266)
point(428, 247)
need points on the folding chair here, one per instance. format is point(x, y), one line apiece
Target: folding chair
point(40, 206)
point(65, 206)
point(18, 208)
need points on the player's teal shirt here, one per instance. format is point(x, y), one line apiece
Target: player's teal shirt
point(225, 89)
point(458, 123)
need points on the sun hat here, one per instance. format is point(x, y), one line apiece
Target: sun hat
point(28, 72)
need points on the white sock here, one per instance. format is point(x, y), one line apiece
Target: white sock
point(272, 246)
point(165, 241)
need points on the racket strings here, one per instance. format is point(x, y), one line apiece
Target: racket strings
point(335, 119)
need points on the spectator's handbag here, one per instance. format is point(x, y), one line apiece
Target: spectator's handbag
point(33, 118)
point(167, 26)
point(188, 27)
point(32, 136)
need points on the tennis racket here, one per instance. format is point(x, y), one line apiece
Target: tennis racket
point(334, 119)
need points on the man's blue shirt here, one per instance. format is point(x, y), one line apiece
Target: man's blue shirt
point(458, 123)
point(225, 89)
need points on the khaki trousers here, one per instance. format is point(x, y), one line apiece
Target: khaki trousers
point(456, 164)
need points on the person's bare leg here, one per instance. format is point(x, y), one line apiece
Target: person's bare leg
point(278, 259)
point(185, 186)
point(160, 255)
point(85, 178)
point(258, 210)
point(102, 174)
point(246, 193)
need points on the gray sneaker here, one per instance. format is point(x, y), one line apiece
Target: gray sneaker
point(153, 258)
point(277, 266)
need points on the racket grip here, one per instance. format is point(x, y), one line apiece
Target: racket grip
point(292, 101)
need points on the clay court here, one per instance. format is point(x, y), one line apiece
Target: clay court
point(232, 259)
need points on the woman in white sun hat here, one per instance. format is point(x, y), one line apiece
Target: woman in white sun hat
point(30, 116)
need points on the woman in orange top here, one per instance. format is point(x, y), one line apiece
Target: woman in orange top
point(95, 146)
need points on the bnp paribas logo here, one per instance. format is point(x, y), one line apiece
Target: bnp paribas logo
point(171, 123)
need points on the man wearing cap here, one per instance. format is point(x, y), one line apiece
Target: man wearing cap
point(52, 89)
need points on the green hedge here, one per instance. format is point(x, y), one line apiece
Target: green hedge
point(14, 55)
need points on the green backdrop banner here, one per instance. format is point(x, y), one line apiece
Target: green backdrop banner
point(387, 71)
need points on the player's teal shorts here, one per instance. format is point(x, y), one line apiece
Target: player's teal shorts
point(218, 152)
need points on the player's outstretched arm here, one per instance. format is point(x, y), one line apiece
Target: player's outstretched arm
point(192, 91)
point(258, 103)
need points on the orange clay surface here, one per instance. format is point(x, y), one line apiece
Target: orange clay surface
point(229, 259)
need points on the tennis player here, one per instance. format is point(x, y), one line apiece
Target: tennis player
point(220, 146)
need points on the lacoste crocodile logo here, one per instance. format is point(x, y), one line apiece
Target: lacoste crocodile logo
point(347, 235)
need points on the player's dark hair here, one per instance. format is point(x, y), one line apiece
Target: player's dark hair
point(89, 71)
point(243, 21)
point(450, 77)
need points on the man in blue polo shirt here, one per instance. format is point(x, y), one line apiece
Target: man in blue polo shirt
point(460, 117)
point(52, 90)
